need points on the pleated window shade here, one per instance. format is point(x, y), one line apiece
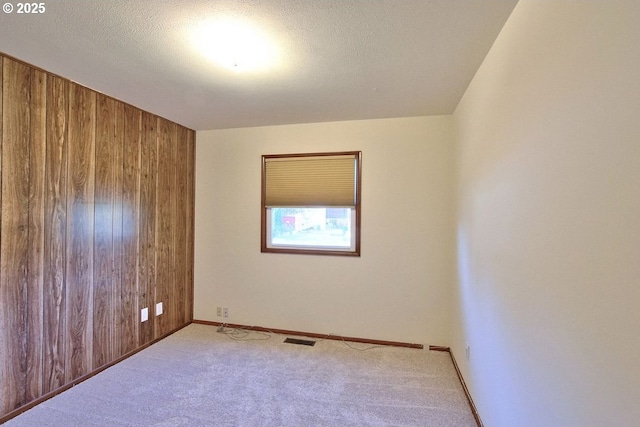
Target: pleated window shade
point(314, 180)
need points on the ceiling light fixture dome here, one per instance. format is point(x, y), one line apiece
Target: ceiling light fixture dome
point(235, 45)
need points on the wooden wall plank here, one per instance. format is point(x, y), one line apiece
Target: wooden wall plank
point(118, 154)
point(80, 217)
point(35, 296)
point(190, 208)
point(147, 227)
point(130, 313)
point(180, 227)
point(172, 291)
point(103, 244)
point(165, 215)
point(14, 230)
point(55, 233)
point(5, 333)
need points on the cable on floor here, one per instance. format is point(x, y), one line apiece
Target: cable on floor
point(241, 334)
point(244, 334)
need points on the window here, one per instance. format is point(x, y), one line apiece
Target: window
point(311, 203)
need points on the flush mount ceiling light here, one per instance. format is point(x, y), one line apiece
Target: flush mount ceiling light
point(235, 45)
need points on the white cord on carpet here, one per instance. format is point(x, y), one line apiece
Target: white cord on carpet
point(245, 334)
point(241, 334)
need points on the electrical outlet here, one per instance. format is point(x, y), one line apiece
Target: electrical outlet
point(158, 309)
point(225, 312)
point(219, 312)
point(144, 314)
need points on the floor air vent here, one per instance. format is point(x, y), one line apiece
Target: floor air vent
point(301, 342)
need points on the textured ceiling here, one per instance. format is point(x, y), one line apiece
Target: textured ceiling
point(338, 59)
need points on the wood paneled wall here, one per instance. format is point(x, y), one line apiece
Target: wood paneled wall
point(96, 223)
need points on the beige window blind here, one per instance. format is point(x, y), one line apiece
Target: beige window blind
point(313, 180)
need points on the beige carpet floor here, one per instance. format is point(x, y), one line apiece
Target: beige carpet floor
point(201, 377)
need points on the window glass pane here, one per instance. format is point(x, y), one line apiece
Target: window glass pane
point(328, 228)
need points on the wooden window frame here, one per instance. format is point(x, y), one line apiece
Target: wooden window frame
point(356, 228)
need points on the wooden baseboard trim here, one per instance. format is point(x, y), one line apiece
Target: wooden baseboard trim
point(78, 380)
point(474, 410)
point(472, 405)
point(312, 335)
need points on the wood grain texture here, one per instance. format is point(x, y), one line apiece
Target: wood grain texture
point(4, 326)
point(96, 222)
point(118, 156)
point(80, 229)
point(35, 290)
point(14, 230)
point(107, 272)
point(190, 208)
point(165, 217)
point(180, 234)
point(55, 233)
point(147, 225)
point(104, 281)
point(129, 313)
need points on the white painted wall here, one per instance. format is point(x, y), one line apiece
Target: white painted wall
point(400, 287)
point(548, 233)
